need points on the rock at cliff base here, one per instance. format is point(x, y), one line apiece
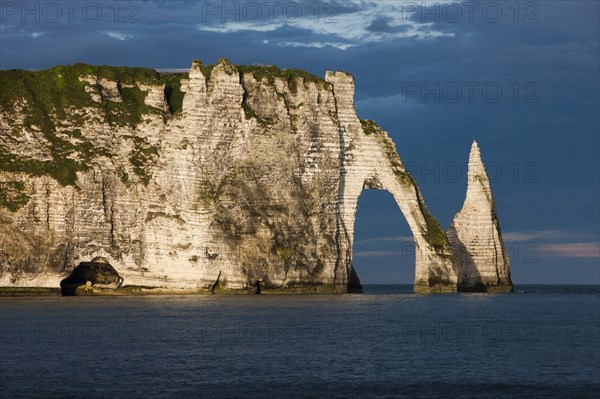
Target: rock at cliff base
point(98, 272)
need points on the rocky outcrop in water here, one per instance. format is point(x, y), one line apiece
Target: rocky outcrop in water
point(221, 177)
point(475, 236)
point(97, 273)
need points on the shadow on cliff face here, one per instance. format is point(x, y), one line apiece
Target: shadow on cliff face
point(469, 278)
point(354, 285)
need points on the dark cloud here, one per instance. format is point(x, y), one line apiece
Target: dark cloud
point(381, 25)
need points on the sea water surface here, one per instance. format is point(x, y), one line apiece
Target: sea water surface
point(540, 341)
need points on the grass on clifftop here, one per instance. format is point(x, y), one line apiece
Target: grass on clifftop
point(292, 76)
point(43, 100)
point(45, 96)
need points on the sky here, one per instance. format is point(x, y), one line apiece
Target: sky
point(520, 77)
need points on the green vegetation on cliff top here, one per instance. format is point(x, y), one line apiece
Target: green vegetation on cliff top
point(46, 95)
point(270, 72)
point(292, 76)
point(44, 98)
point(51, 91)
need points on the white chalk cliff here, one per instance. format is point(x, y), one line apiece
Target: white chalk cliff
point(220, 177)
point(475, 236)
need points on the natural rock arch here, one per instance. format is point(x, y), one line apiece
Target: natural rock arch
point(434, 268)
point(369, 160)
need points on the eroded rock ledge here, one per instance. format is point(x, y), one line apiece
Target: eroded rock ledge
point(220, 177)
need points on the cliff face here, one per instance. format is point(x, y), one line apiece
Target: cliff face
point(475, 236)
point(220, 177)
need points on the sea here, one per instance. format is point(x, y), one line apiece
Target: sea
point(538, 342)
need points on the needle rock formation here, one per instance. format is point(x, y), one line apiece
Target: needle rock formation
point(475, 236)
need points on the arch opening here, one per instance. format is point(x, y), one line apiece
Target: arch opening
point(383, 247)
